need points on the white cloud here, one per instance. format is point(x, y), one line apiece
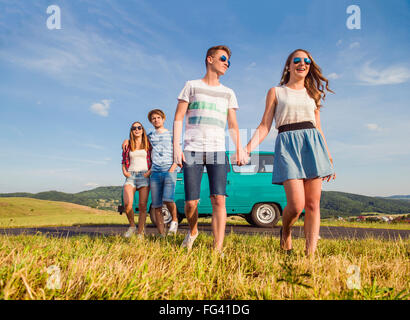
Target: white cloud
point(354, 45)
point(92, 146)
point(252, 65)
point(373, 127)
point(333, 76)
point(91, 185)
point(339, 42)
point(369, 75)
point(101, 108)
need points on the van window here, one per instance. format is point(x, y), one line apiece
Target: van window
point(258, 163)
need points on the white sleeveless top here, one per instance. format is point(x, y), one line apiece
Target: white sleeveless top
point(293, 106)
point(138, 160)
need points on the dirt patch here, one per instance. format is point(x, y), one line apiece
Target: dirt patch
point(4, 204)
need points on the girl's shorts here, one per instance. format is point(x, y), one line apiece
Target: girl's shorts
point(137, 180)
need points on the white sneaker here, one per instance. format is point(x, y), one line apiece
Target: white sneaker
point(130, 232)
point(189, 240)
point(173, 227)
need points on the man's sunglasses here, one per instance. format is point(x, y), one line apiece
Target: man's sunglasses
point(298, 60)
point(223, 59)
point(136, 127)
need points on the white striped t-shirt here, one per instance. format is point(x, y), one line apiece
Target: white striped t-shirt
point(207, 115)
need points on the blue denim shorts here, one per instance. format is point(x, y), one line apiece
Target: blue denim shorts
point(137, 180)
point(217, 167)
point(162, 184)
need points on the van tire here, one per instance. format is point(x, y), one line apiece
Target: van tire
point(265, 214)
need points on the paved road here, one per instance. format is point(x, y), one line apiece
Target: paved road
point(297, 232)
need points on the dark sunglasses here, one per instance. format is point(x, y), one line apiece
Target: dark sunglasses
point(223, 59)
point(298, 60)
point(136, 128)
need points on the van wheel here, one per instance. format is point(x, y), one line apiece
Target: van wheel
point(165, 213)
point(265, 214)
point(248, 218)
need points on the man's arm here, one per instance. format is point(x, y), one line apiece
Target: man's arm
point(125, 144)
point(241, 157)
point(182, 108)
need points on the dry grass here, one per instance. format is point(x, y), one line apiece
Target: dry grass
point(253, 268)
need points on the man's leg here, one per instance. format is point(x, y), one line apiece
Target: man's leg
point(169, 193)
point(217, 168)
point(157, 184)
point(218, 220)
point(193, 170)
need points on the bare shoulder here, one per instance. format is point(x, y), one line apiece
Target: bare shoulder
point(271, 96)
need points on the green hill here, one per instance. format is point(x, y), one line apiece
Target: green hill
point(344, 204)
point(106, 198)
point(332, 203)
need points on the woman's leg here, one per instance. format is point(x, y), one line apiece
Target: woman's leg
point(313, 190)
point(295, 195)
point(128, 197)
point(142, 206)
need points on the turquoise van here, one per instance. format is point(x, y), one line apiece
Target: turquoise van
point(250, 191)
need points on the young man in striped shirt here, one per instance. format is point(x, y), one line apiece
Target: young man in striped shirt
point(207, 106)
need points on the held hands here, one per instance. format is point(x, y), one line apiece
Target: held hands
point(147, 174)
point(240, 157)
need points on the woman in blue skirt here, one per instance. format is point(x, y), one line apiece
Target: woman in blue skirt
point(302, 158)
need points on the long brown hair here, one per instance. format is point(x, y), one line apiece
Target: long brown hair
point(315, 82)
point(144, 142)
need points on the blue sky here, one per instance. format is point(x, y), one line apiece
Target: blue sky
point(68, 96)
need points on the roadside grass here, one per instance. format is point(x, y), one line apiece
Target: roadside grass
point(253, 267)
point(27, 212)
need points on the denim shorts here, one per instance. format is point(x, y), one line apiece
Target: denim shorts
point(137, 180)
point(217, 167)
point(162, 184)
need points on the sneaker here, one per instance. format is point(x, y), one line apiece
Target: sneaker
point(189, 240)
point(173, 227)
point(130, 232)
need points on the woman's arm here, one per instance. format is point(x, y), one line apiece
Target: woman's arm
point(319, 128)
point(266, 123)
point(125, 171)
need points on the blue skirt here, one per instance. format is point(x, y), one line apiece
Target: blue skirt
point(300, 154)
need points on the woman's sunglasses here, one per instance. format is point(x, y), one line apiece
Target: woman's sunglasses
point(223, 59)
point(298, 60)
point(136, 128)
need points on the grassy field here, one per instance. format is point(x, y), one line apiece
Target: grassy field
point(26, 212)
point(253, 267)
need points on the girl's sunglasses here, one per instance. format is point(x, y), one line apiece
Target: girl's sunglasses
point(298, 60)
point(223, 59)
point(136, 128)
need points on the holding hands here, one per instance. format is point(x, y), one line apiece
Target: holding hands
point(240, 157)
